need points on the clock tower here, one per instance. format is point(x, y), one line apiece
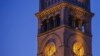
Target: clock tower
point(64, 28)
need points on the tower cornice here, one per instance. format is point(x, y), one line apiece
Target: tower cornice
point(77, 10)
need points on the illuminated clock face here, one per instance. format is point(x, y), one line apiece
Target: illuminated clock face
point(78, 49)
point(50, 49)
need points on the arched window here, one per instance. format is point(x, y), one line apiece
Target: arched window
point(57, 20)
point(44, 25)
point(71, 21)
point(51, 23)
point(77, 23)
point(83, 29)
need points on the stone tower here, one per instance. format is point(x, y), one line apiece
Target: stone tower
point(64, 28)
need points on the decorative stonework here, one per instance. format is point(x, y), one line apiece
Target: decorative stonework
point(75, 10)
point(64, 29)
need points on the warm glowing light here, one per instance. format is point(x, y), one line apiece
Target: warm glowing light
point(78, 49)
point(50, 49)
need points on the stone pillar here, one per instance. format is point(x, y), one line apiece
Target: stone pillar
point(64, 16)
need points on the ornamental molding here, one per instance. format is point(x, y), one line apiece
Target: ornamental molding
point(75, 10)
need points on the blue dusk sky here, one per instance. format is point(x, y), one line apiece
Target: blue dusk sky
point(18, 27)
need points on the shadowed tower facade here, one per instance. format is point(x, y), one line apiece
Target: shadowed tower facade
point(64, 28)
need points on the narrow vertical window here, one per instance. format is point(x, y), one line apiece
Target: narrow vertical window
point(83, 29)
point(44, 26)
point(51, 23)
point(77, 23)
point(57, 20)
point(70, 20)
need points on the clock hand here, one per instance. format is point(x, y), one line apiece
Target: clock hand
point(80, 47)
